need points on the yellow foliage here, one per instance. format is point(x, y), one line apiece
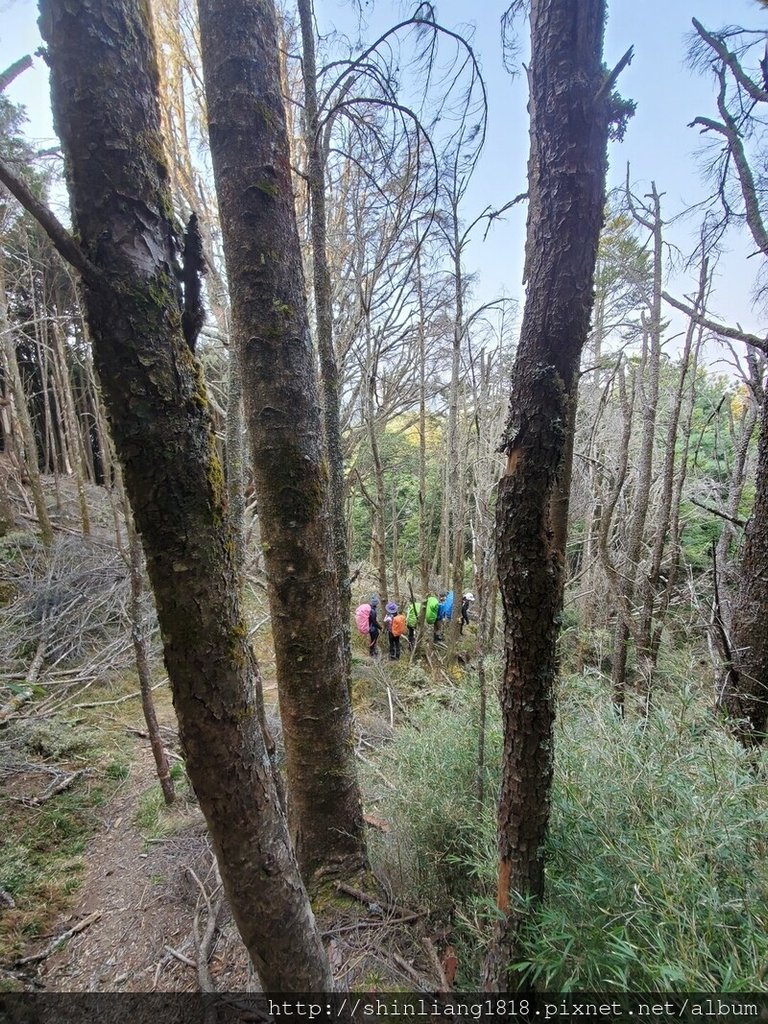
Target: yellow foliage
point(740, 401)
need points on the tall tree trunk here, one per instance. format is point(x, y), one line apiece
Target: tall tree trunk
point(423, 537)
point(329, 370)
point(378, 507)
point(615, 581)
point(650, 581)
point(648, 374)
point(569, 101)
point(104, 89)
point(455, 479)
point(249, 149)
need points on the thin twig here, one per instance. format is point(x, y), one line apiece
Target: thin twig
point(119, 700)
point(180, 956)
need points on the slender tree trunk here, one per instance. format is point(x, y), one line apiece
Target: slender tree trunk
point(650, 581)
point(648, 375)
point(455, 478)
point(67, 404)
point(378, 508)
point(566, 173)
point(23, 418)
point(140, 638)
point(46, 431)
point(615, 581)
point(423, 538)
point(249, 149)
point(104, 89)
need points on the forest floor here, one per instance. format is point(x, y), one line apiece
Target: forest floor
point(104, 888)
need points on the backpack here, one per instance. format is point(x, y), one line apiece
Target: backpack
point(363, 618)
point(413, 614)
point(398, 625)
point(448, 605)
point(432, 607)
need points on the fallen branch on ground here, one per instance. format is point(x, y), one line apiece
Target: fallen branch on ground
point(53, 946)
point(53, 790)
point(118, 700)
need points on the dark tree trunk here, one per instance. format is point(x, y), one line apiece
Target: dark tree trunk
point(104, 86)
point(249, 148)
point(744, 690)
point(568, 132)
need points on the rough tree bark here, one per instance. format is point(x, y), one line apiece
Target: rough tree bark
point(104, 89)
point(570, 110)
point(249, 148)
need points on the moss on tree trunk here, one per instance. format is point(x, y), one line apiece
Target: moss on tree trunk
point(249, 148)
point(104, 86)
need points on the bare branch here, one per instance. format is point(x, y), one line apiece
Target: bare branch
point(58, 234)
point(732, 63)
point(610, 81)
point(735, 334)
point(717, 512)
point(12, 72)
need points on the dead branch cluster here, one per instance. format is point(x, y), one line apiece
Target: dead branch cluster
point(69, 623)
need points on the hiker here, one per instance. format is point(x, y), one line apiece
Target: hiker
point(442, 599)
point(466, 601)
point(373, 628)
point(396, 626)
point(412, 620)
point(431, 613)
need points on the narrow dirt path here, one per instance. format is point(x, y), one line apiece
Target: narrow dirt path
point(147, 900)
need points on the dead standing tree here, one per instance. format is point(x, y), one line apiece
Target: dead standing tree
point(741, 101)
point(104, 89)
point(572, 107)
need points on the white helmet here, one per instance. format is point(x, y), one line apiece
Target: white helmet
point(469, 596)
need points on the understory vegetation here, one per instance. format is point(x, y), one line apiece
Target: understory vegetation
point(657, 875)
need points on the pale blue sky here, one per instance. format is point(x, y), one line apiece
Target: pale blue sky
point(659, 145)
